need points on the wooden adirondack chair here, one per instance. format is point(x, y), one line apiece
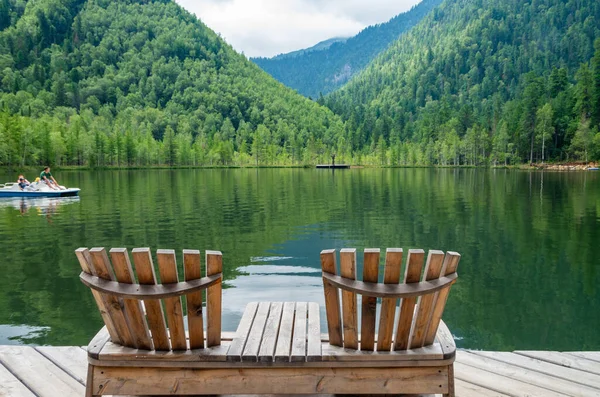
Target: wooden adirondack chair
point(422, 350)
point(276, 349)
point(136, 335)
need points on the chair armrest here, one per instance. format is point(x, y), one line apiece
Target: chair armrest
point(446, 340)
point(97, 343)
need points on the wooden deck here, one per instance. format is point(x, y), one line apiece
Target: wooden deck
point(61, 371)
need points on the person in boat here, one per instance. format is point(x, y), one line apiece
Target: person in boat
point(23, 183)
point(47, 177)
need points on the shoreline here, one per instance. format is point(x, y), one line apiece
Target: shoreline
point(571, 166)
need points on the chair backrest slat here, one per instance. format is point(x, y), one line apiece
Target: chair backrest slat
point(133, 307)
point(450, 266)
point(407, 308)
point(214, 265)
point(192, 271)
point(332, 299)
point(369, 304)
point(85, 260)
point(167, 267)
point(391, 275)
point(114, 305)
point(425, 305)
point(156, 320)
point(349, 301)
point(422, 294)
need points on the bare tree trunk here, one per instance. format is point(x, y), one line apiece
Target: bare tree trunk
point(543, 146)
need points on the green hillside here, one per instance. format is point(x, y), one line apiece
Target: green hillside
point(320, 46)
point(102, 82)
point(316, 72)
point(482, 81)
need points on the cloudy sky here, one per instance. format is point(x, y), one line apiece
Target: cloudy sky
point(271, 27)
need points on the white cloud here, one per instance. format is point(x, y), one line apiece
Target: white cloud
point(271, 27)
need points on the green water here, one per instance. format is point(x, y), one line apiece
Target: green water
point(529, 272)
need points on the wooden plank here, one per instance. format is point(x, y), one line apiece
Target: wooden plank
point(269, 341)
point(499, 383)
point(192, 271)
point(167, 267)
point(391, 275)
point(446, 340)
point(71, 359)
point(369, 304)
point(284, 340)
point(241, 335)
point(377, 290)
point(11, 386)
point(39, 374)
point(349, 301)
point(450, 266)
point(252, 347)
point(339, 354)
point(557, 358)
point(98, 342)
point(118, 355)
point(407, 309)
point(214, 265)
point(465, 389)
point(133, 307)
point(433, 270)
point(204, 359)
point(144, 268)
point(594, 356)
point(114, 306)
point(300, 380)
point(85, 261)
point(526, 375)
point(332, 299)
point(573, 375)
point(298, 353)
point(313, 349)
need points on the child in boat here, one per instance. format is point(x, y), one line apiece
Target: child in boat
point(23, 183)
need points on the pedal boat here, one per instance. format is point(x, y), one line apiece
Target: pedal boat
point(36, 189)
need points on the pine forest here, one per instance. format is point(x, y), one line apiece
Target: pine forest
point(98, 83)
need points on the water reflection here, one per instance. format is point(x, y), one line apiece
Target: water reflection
point(43, 206)
point(21, 334)
point(528, 278)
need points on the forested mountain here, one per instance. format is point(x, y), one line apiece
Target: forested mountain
point(320, 46)
point(482, 81)
point(319, 72)
point(102, 82)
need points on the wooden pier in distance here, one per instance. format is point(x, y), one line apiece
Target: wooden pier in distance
point(27, 371)
point(334, 166)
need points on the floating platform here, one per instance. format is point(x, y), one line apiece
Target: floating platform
point(333, 166)
point(45, 371)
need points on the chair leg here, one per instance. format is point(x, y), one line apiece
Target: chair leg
point(89, 382)
point(450, 381)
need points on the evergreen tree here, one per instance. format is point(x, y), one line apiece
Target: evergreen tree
point(596, 86)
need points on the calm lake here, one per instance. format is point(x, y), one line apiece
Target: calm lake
point(530, 243)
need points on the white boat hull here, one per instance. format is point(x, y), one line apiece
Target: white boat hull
point(36, 189)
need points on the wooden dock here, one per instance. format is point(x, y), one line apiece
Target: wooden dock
point(61, 371)
point(333, 166)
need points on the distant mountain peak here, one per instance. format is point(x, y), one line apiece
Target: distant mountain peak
point(320, 46)
point(329, 64)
